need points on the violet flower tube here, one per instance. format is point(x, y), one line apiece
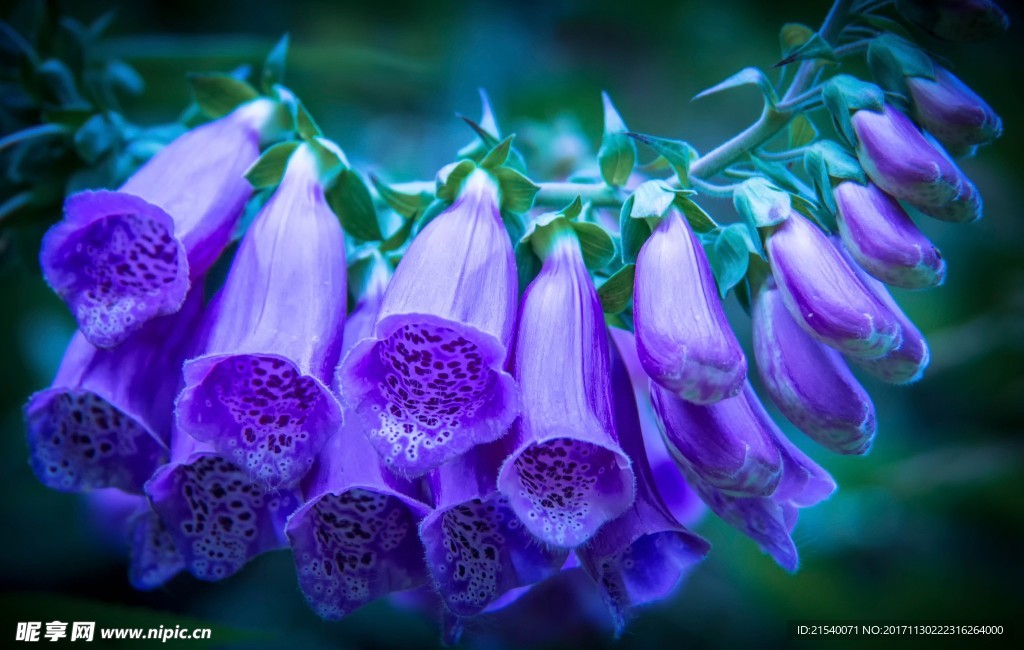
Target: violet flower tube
point(642, 555)
point(824, 295)
point(430, 383)
point(809, 381)
point(216, 518)
point(477, 549)
point(259, 393)
point(727, 444)
point(948, 109)
point(567, 475)
point(355, 538)
point(901, 161)
point(770, 520)
point(883, 239)
point(906, 363)
point(106, 419)
point(683, 338)
point(121, 258)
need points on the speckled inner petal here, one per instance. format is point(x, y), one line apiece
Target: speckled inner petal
point(432, 382)
point(79, 441)
point(119, 272)
point(353, 548)
point(561, 486)
point(262, 414)
point(154, 555)
point(219, 520)
point(478, 550)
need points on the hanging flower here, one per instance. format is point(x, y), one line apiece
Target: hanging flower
point(683, 338)
point(258, 394)
point(121, 258)
point(430, 383)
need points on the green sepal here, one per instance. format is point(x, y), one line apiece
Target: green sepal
point(268, 170)
point(746, 77)
point(302, 122)
point(676, 153)
point(617, 291)
point(596, 244)
point(778, 173)
point(633, 233)
point(406, 204)
point(398, 238)
point(274, 65)
point(828, 164)
point(792, 36)
point(450, 178)
point(486, 130)
point(617, 155)
point(728, 252)
point(517, 192)
point(844, 95)
point(761, 204)
point(893, 60)
point(498, 155)
point(219, 94)
point(351, 201)
point(814, 48)
point(652, 199)
point(699, 220)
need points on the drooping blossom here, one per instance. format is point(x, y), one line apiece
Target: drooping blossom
point(477, 549)
point(882, 238)
point(430, 383)
point(727, 444)
point(640, 556)
point(683, 338)
point(960, 21)
point(258, 393)
point(355, 538)
point(216, 517)
point(809, 381)
point(106, 419)
point(567, 474)
point(825, 295)
point(121, 258)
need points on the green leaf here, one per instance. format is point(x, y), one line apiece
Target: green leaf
point(268, 170)
point(730, 256)
point(219, 94)
point(56, 77)
point(486, 130)
point(274, 65)
point(517, 191)
point(405, 204)
point(596, 244)
point(451, 177)
point(616, 292)
point(761, 203)
point(746, 77)
point(489, 140)
point(802, 131)
point(828, 164)
point(676, 153)
point(399, 237)
point(699, 220)
point(497, 156)
point(652, 199)
point(617, 155)
point(844, 95)
point(633, 233)
point(352, 203)
point(97, 137)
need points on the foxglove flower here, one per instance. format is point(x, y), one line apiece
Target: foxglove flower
point(121, 258)
point(809, 381)
point(106, 419)
point(824, 295)
point(259, 393)
point(216, 518)
point(567, 475)
point(683, 338)
point(727, 444)
point(961, 21)
point(355, 539)
point(883, 239)
point(901, 161)
point(640, 556)
point(477, 549)
point(906, 363)
point(430, 384)
point(770, 520)
point(952, 112)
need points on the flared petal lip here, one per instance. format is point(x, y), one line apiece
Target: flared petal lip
point(494, 351)
point(80, 211)
point(41, 399)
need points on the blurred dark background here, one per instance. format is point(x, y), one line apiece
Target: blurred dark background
point(928, 526)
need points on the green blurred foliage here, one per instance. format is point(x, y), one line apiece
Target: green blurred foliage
point(926, 527)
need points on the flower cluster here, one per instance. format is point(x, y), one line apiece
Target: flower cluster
point(465, 408)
